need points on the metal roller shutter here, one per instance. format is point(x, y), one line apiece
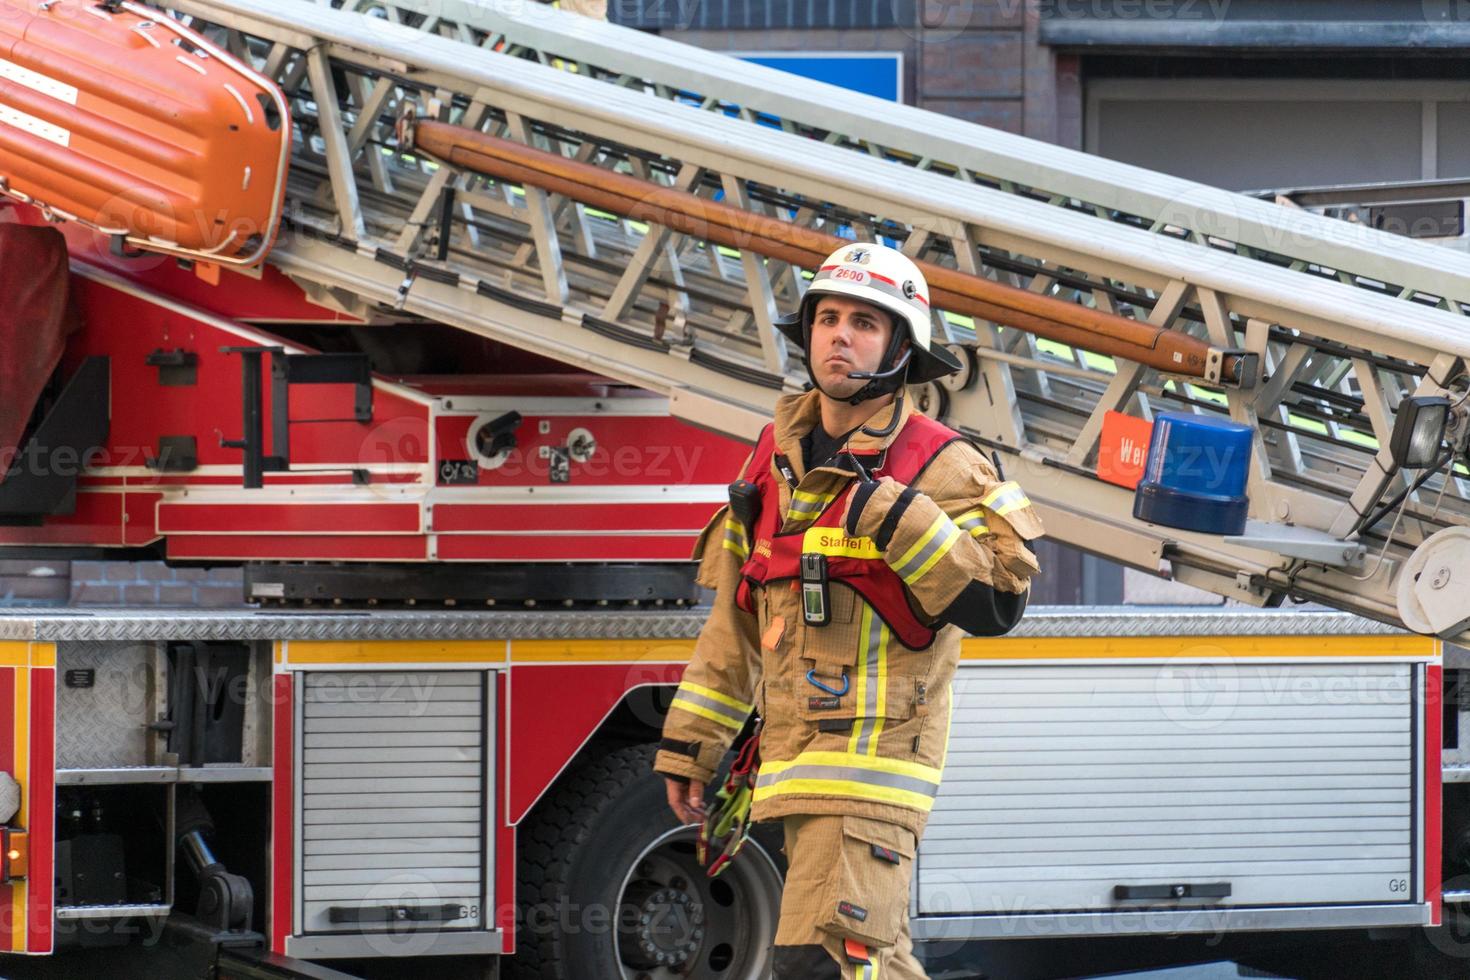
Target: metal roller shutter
point(393, 800)
point(1291, 783)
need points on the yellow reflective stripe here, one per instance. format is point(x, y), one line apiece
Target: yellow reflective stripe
point(843, 788)
point(897, 767)
point(714, 695)
point(1006, 498)
point(703, 712)
point(735, 538)
point(833, 542)
point(934, 529)
point(872, 690)
point(952, 535)
point(882, 711)
point(805, 505)
point(973, 521)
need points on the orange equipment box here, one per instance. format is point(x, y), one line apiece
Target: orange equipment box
point(125, 120)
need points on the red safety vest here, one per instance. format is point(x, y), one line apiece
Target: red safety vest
point(855, 562)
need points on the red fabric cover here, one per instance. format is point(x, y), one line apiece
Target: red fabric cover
point(34, 324)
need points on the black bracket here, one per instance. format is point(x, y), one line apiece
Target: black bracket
point(501, 433)
point(118, 244)
point(446, 223)
point(177, 368)
point(42, 479)
point(325, 369)
point(286, 370)
point(1216, 889)
point(352, 915)
point(252, 440)
point(176, 454)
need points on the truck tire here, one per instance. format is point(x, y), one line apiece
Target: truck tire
point(608, 887)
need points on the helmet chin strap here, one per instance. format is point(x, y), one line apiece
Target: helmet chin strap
point(884, 381)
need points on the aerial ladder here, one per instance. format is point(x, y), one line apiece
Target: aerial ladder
point(1313, 332)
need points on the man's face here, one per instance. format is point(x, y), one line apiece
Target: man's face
point(847, 335)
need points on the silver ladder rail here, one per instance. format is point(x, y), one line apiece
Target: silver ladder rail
point(930, 141)
point(647, 304)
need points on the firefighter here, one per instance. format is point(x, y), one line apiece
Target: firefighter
point(859, 544)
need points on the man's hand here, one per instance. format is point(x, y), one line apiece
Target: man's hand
point(686, 799)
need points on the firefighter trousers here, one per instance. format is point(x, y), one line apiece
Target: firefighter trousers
point(845, 906)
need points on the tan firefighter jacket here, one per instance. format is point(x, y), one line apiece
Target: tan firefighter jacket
point(886, 763)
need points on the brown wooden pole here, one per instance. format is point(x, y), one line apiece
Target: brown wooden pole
point(720, 224)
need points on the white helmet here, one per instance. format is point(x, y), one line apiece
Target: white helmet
point(889, 280)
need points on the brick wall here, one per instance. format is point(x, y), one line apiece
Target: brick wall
point(152, 583)
point(978, 60)
point(30, 583)
point(972, 61)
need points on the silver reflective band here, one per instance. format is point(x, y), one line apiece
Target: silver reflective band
point(804, 508)
point(975, 525)
point(943, 539)
point(873, 654)
point(710, 704)
point(1006, 498)
point(735, 540)
point(850, 774)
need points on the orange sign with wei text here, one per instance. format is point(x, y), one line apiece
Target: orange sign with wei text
point(1123, 449)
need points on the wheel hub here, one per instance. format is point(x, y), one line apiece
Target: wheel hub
point(673, 922)
point(663, 925)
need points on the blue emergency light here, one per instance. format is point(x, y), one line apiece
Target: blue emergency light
point(1196, 473)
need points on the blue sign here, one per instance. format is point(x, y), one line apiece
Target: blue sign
point(879, 74)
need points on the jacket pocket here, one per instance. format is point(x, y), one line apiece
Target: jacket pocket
point(870, 886)
point(833, 647)
point(896, 701)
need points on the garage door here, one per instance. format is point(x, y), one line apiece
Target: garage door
point(1082, 788)
point(1244, 134)
point(393, 796)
